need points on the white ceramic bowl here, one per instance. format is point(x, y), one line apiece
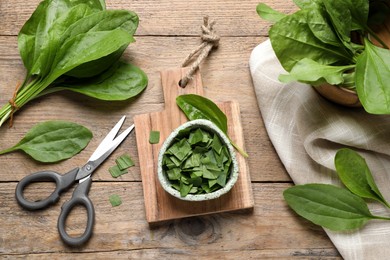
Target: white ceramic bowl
point(208, 126)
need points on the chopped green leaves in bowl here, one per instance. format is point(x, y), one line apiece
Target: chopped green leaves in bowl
point(197, 162)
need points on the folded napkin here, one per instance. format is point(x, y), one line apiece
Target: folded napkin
point(307, 130)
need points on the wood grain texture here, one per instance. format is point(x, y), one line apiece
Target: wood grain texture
point(159, 205)
point(168, 17)
point(269, 231)
point(168, 31)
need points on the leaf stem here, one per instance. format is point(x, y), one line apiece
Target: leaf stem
point(373, 34)
point(27, 92)
point(239, 149)
point(386, 203)
point(380, 217)
point(8, 150)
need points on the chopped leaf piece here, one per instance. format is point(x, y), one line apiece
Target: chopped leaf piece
point(217, 145)
point(115, 200)
point(197, 181)
point(206, 187)
point(194, 190)
point(116, 171)
point(174, 174)
point(154, 137)
point(176, 186)
point(212, 183)
point(175, 161)
point(208, 174)
point(195, 137)
point(185, 189)
point(180, 149)
point(168, 162)
point(124, 162)
point(222, 179)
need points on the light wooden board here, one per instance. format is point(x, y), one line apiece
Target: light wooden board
point(159, 205)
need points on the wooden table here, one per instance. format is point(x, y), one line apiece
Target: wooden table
point(168, 31)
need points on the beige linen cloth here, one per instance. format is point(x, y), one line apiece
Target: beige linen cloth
point(307, 130)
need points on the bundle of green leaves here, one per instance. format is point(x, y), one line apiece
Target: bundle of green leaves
point(197, 162)
point(315, 46)
point(76, 45)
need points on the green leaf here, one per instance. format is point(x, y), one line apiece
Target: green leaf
point(310, 71)
point(185, 189)
point(359, 11)
point(115, 171)
point(195, 137)
point(292, 40)
point(329, 206)
point(321, 27)
point(174, 174)
point(115, 200)
point(180, 149)
point(53, 141)
point(124, 162)
point(222, 179)
point(34, 33)
point(154, 137)
point(217, 144)
point(269, 14)
point(93, 45)
point(372, 79)
point(102, 21)
point(53, 39)
point(356, 176)
point(122, 81)
point(198, 107)
point(341, 19)
point(306, 4)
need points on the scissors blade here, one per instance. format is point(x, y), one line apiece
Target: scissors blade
point(105, 148)
point(107, 141)
point(112, 146)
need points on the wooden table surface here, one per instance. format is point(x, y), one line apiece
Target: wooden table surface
point(168, 31)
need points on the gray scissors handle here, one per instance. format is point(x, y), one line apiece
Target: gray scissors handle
point(63, 182)
point(79, 197)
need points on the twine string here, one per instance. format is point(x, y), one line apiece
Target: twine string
point(12, 102)
point(209, 40)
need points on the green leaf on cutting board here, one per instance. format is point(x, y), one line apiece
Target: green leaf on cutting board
point(199, 107)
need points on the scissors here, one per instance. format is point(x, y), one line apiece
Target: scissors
point(82, 175)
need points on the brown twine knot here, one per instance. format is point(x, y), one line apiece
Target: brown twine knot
point(12, 102)
point(209, 40)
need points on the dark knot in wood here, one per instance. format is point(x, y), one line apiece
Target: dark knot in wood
point(198, 230)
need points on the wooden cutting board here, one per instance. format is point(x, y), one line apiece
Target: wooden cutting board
point(159, 205)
